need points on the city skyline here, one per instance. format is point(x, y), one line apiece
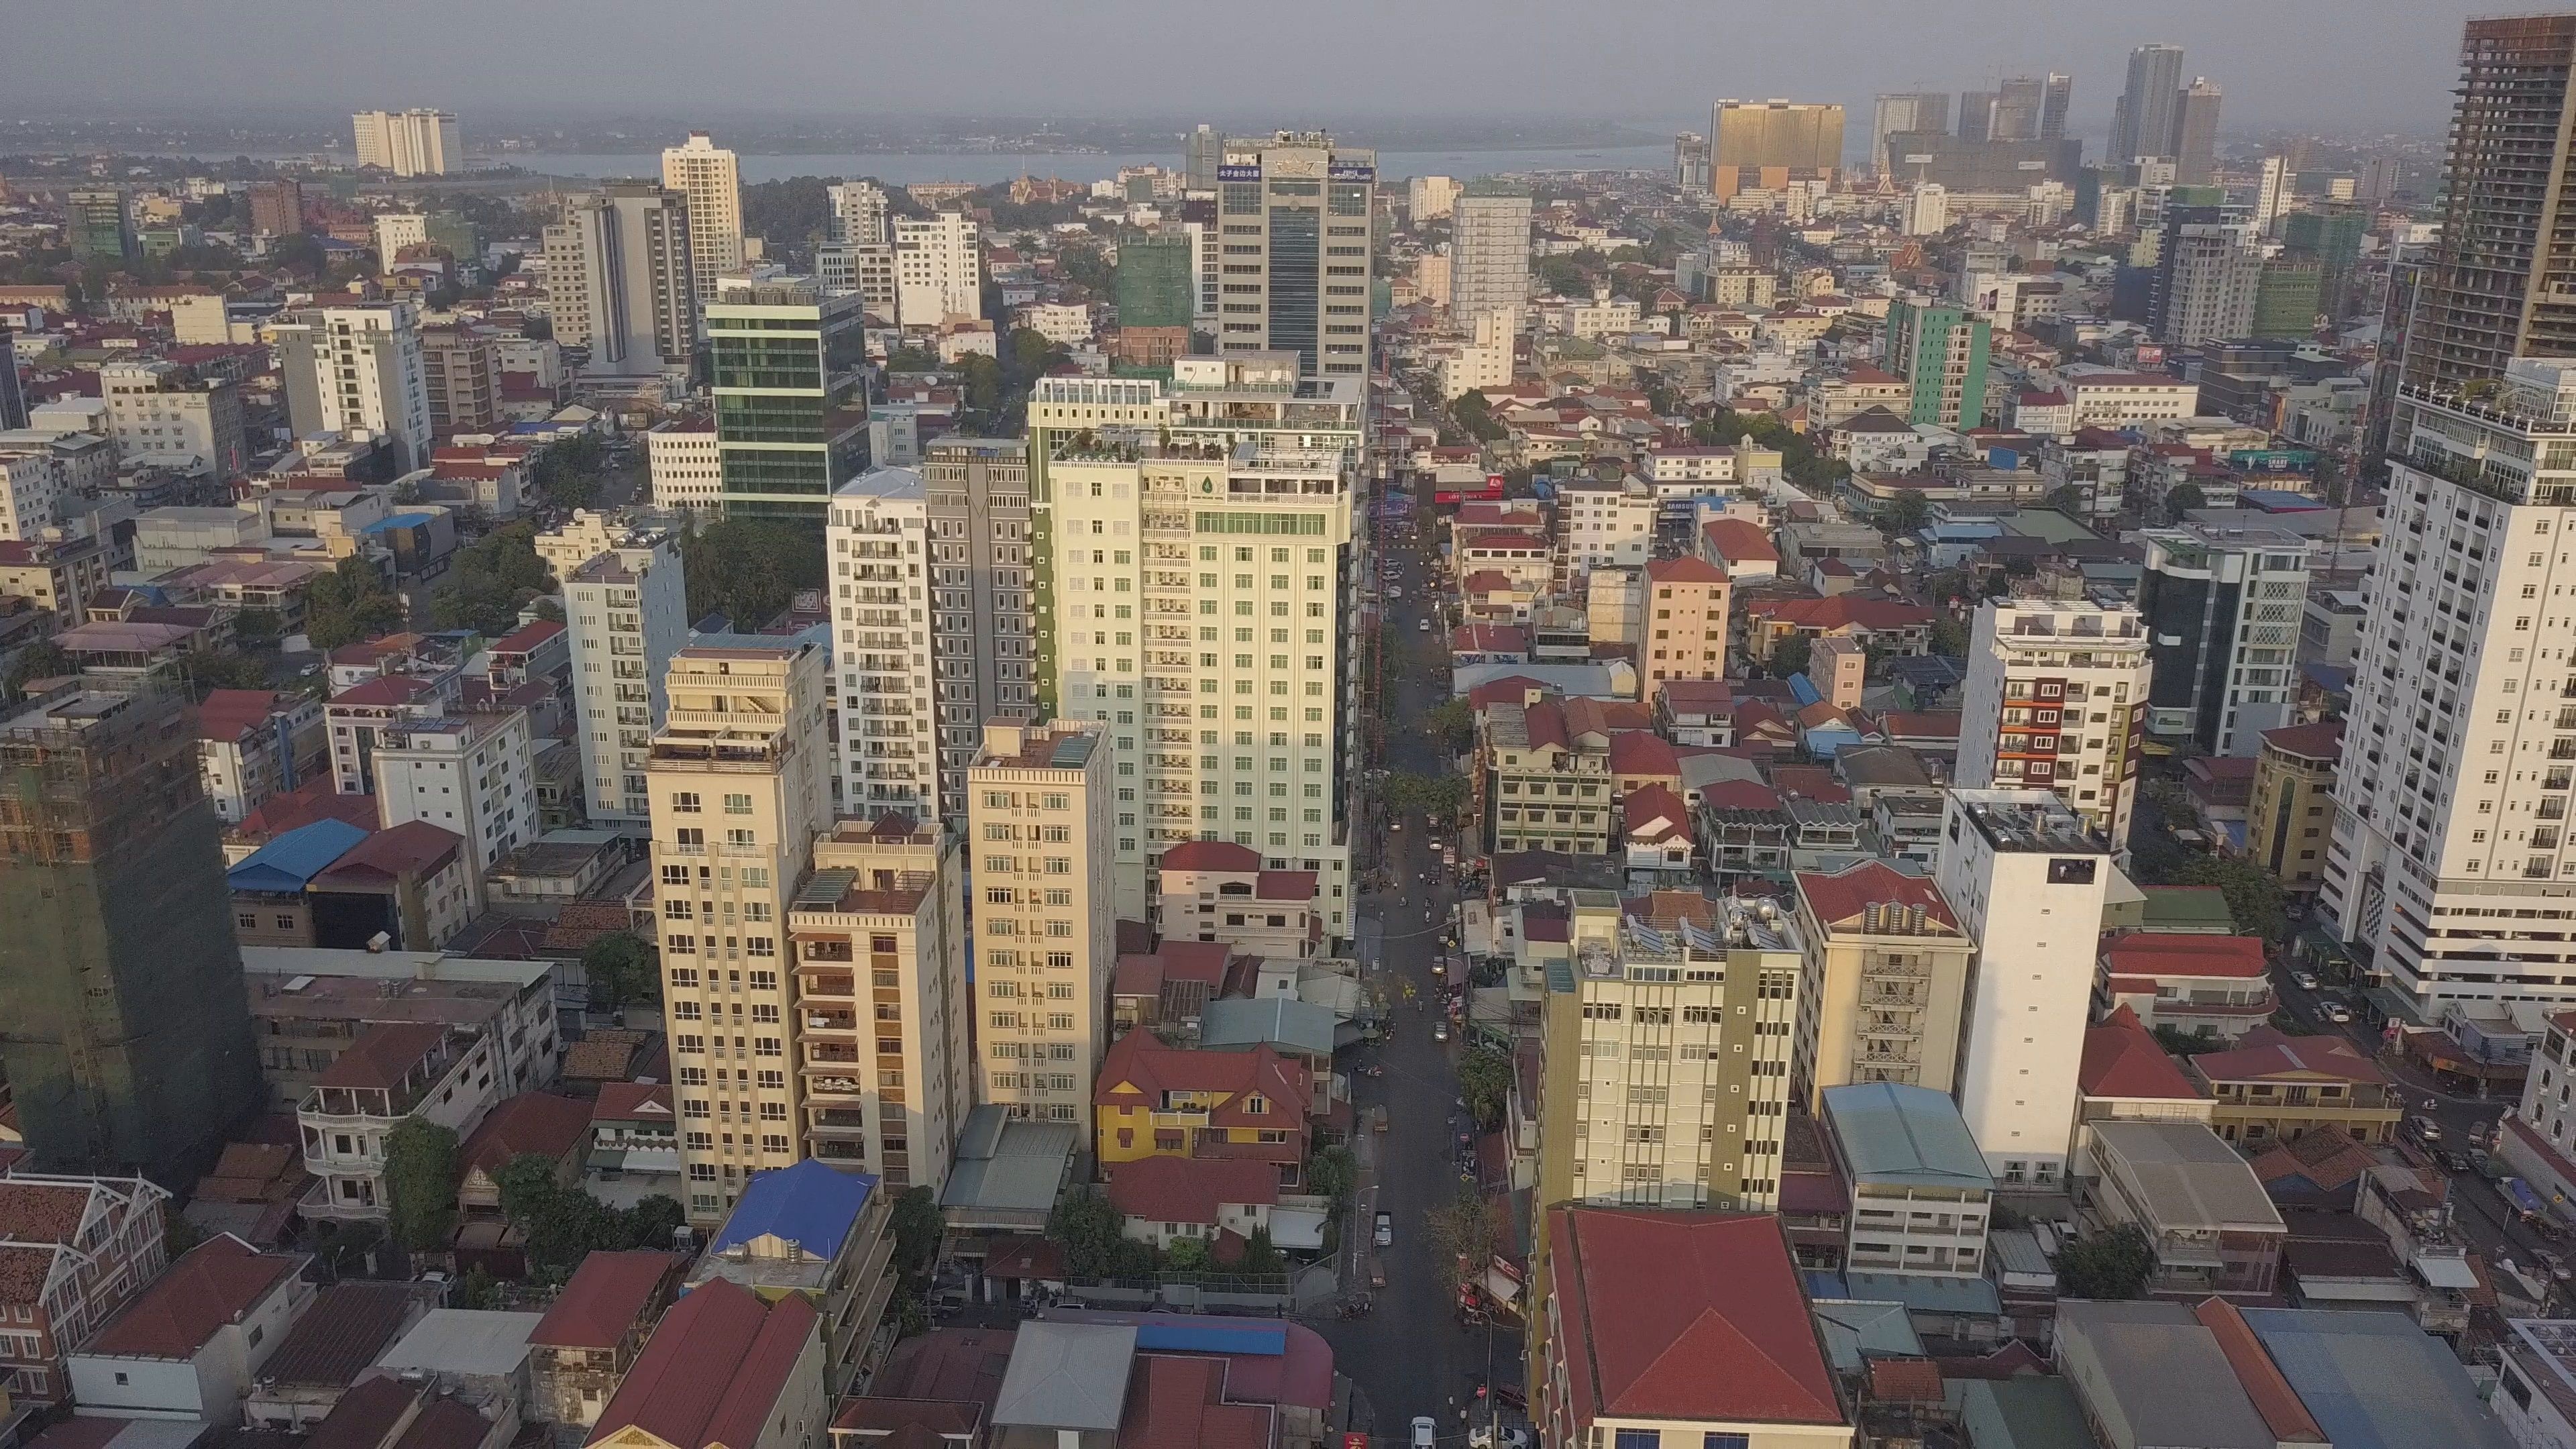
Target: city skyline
point(2396, 78)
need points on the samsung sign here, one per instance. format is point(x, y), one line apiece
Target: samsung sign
point(1239, 173)
point(1351, 171)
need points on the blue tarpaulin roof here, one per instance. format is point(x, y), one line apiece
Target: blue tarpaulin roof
point(290, 861)
point(812, 1204)
point(2519, 1193)
point(1170, 1337)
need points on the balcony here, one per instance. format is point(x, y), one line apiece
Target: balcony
point(1193, 1119)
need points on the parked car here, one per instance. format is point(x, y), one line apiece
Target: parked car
point(2336, 1012)
point(1386, 1230)
point(1425, 626)
point(2454, 1161)
point(1426, 1433)
point(1439, 1031)
point(2307, 980)
point(2424, 1129)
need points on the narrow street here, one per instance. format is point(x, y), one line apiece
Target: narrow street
point(1411, 1356)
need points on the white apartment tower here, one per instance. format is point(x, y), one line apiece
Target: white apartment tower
point(738, 785)
point(2026, 878)
point(709, 177)
point(877, 537)
point(2056, 699)
point(1039, 825)
point(885, 1062)
point(938, 269)
point(1293, 215)
point(2450, 869)
point(620, 281)
point(358, 368)
point(409, 143)
point(858, 216)
point(626, 612)
point(1489, 252)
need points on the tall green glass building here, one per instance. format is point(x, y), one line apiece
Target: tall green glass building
point(790, 394)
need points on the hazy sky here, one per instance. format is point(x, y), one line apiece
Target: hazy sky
point(2379, 64)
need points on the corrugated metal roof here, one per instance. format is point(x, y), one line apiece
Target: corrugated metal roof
point(290, 861)
point(812, 1204)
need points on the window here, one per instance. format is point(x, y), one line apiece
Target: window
point(1726, 1441)
point(1637, 1439)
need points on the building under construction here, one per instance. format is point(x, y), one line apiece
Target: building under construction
point(124, 1024)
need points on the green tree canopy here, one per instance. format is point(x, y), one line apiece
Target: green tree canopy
point(1092, 1234)
point(420, 1183)
point(1907, 512)
point(2181, 499)
point(619, 966)
point(1438, 797)
point(1485, 1080)
point(749, 569)
point(569, 473)
point(350, 603)
point(917, 1230)
point(1789, 656)
point(490, 582)
point(1453, 725)
point(1462, 1238)
point(2111, 1265)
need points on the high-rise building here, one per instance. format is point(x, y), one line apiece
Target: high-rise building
point(2209, 268)
point(2273, 189)
point(1685, 623)
point(888, 1074)
point(1039, 818)
point(790, 393)
point(98, 224)
point(620, 282)
point(13, 393)
point(1927, 210)
point(358, 367)
point(2057, 92)
point(2502, 280)
point(1666, 1056)
point(1295, 211)
point(1489, 251)
point(2195, 145)
point(2026, 878)
point(626, 612)
point(124, 1021)
point(1205, 152)
point(739, 785)
point(1939, 348)
point(709, 177)
point(409, 143)
point(2143, 122)
point(461, 367)
point(858, 214)
point(2288, 294)
point(170, 413)
point(877, 538)
point(1157, 291)
point(2056, 699)
point(2331, 237)
point(1977, 116)
point(1690, 163)
point(2222, 606)
point(1897, 114)
point(938, 269)
point(277, 208)
point(1431, 198)
point(1802, 138)
point(2450, 861)
point(1886, 979)
point(983, 615)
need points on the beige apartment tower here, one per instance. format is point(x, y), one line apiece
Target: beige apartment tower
point(712, 181)
point(1038, 812)
point(887, 1083)
point(738, 780)
point(1885, 980)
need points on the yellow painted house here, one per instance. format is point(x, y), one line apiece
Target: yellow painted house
point(1156, 1101)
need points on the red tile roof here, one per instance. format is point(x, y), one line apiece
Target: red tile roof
point(1189, 1189)
point(1642, 752)
point(1905, 1381)
point(1653, 815)
point(383, 689)
point(1178, 1402)
point(1138, 1070)
point(2284, 1413)
point(2122, 1059)
point(633, 1102)
point(1739, 541)
point(311, 801)
point(1846, 894)
point(2265, 1052)
point(215, 1283)
point(538, 1123)
point(414, 847)
point(1211, 855)
point(713, 1370)
point(1686, 569)
point(1296, 886)
point(2161, 953)
point(607, 1294)
point(1810, 782)
point(383, 1055)
point(226, 713)
point(527, 638)
point(1739, 795)
point(1841, 611)
point(1685, 1315)
point(2320, 741)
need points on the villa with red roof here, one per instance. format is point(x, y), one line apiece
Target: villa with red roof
point(1689, 1327)
point(2211, 986)
point(1154, 1100)
point(723, 1370)
point(189, 1345)
point(1898, 626)
point(1888, 980)
point(2125, 1075)
point(1169, 1199)
point(1741, 547)
point(588, 1341)
point(1214, 890)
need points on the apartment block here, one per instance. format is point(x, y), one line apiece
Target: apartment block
point(791, 408)
point(416, 142)
point(79, 1248)
point(2290, 818)
point(621, 279)
point(461, 369)
point(1545, 777)
point(626, 613)
point(473, 774)
point(1885, 983)
point(168, 413)
point(351, 368)
point(739, 782)
point(877, 537)
point(982, 598)
point(1940, 351)
point(1608, 523)
point(1039, 825)
point(2025, 876)
point(938, 269)
point(885, 1089)
point(709, 177)
point(1920, 1192)
point(1685, 623)
point(2222, 604)
point(2056, 699)
point(1489, 251)
point(687, 472)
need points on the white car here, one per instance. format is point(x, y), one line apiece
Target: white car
point(2307, 980)
point(1426, 1433)
point(1426, 626)
point(1386, 1230)
point(2338, 1013)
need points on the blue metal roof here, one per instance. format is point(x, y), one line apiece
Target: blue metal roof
point(399, 520)
point(812, 1204)
point(291, 860)
point(1803, 690)
point(1182, 1337)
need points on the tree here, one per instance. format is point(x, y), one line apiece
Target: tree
point(1462, 1238)
point(224, 669)
point(43, 659)
point(343, 1247)
point(917, 1231)
point(620, 969)
point(749, 569)
point(1485, 1080)
point(478, 1290)
point(350, 603)
point(2115, 1264)
point(1789, 656)
point(1187, 1255)
point(2066, 498)
point(1261, 1257)
point(1475, 417)
point(258, 628)
point(1332, 1173)
point(1452, 725)
point(1906, 512)
point(2254, 897)
point(912, 359)
point(1949, 636)
point(1091, 1232)
point(1439, 798)
point(490, 582)
point(2181, 499)
point(420, 1183)
point(568, 473)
